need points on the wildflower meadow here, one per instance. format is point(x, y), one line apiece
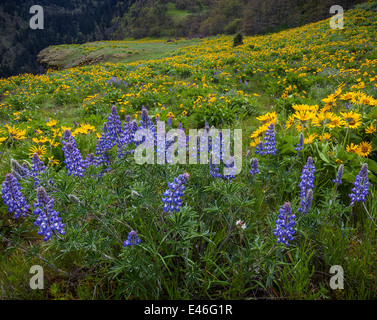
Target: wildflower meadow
point(292, 197)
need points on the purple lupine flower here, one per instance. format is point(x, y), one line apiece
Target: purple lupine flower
point(169, 122)
point(18, 171)
point(173, 196)
point(254, 167)
point(306, 202)
point(102, 147)
point(214, 169)
point(206, 125)
point(90, 160)
point(284, 224)
point(48, 219)
point(144, 117)
point(339, 176)
point(361, 185)
point(67, 137)
point(259, 148)
point(306, 184)
point(147, 123)
point(300, 143)
point(132, 239)
point(307, 177)
point(13, 197)
point(230, 177)
point(269, 146)
point(73, 160)
point(37, 168)
point(125, 137)
point(114, 127)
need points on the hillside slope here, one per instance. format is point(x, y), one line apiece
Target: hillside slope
point(304, 200)
point(80, 21)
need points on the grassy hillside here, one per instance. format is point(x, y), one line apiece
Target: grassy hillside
point(311, 81)
point(67, 56)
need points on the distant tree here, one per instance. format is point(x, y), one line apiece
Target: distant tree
point(237, 40)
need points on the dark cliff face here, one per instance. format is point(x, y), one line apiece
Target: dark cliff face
point(68, 21)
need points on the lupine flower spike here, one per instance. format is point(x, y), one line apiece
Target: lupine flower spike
point(338, 179)
point(254, 167)
point(173, 196)
point(300, 143)
point(48, 219)
point(269, 146)
point(37, 168)
point(361, 184)
point(306, 184)
point(132, 239)
point(13, 198)
point(284, 225)
point(19, 171)
point(73, 159)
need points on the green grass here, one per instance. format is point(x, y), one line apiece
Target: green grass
point(68, 56)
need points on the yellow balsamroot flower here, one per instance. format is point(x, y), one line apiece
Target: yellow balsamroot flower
point(368, 100)
point(51, 123)
point(53, 143)
point(330, 100)
point(258, 132)
point(365, 148)
point(170, 114)
point(184, 113)
point(325, 137)
point(268, 118)
point(304, 116)
point(370, 129)
point(39, 150)
point(56, 133)
point(84, 129)
point(336, 122)
point(63, 128)
point(255, 142)
point(15, 133)
point(346, 96)
point(353, 148)
point(338, 91)
point(305, 107)
point(42, 139)
point(53, 161)
point(2, 139)
point(352, 118)
point(290, 121)
point(322, 119)
point(310, 138)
